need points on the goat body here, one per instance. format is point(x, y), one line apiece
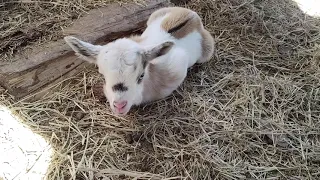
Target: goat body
point(191, 44)
point(151, 66)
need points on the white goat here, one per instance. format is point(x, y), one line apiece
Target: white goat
point(149, 67)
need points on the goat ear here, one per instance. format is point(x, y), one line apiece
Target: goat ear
point(158, 50)
point(84, 50)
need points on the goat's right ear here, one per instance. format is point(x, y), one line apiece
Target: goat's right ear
point(84, 50)
point(158, 50)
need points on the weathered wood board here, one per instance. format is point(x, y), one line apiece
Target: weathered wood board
point(33, 71)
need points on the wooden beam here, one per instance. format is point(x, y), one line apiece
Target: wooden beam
point(179, 2)
point(38, 68)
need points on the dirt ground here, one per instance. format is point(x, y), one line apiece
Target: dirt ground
point(252, 112)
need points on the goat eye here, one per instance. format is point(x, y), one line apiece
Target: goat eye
point(140, 78)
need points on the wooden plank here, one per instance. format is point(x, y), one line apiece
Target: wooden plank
point(180, 2)
point(38, 68)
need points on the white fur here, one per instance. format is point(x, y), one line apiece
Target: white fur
point(116, 61)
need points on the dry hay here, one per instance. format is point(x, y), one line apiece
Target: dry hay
point(252, 112)
point(26, 23)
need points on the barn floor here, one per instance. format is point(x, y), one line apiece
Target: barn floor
point(251, 112)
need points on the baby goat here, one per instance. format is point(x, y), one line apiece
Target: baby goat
point(151, 66)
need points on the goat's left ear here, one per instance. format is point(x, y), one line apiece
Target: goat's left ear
point(158, 50)
point(84, 50)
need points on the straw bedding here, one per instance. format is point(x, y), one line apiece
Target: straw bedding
point(251, 112)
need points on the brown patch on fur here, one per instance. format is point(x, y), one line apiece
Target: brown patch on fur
point(159, 79)
point(181, 22)
point(158, 13)
point(207, 46)
point(136, 38)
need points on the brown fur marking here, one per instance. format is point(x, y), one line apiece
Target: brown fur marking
point(136, 38)
point(192, 20)
point(179, 16)
point(159, 80)
point(207, 46)
point(158, 13)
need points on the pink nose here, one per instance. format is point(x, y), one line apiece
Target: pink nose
point(120, 104)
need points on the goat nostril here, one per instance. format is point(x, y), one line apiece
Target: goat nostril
point(120, 105)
